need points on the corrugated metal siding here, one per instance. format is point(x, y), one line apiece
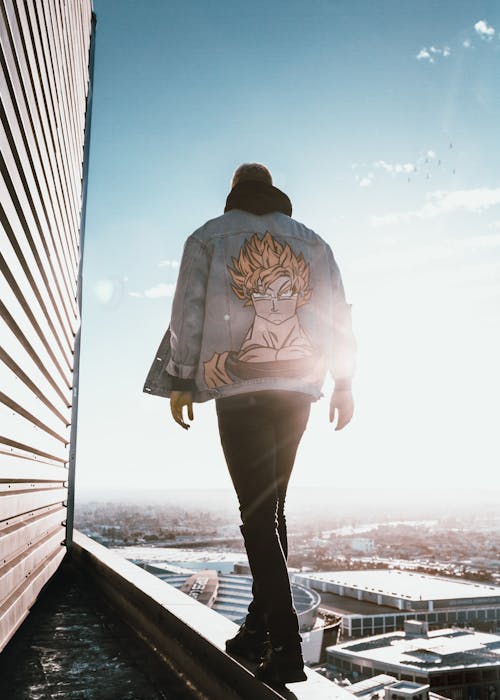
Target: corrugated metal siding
point(45, 49)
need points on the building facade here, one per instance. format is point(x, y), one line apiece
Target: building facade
point(230, 594)
point(380, 601)
point(46, 66)
point(458, 664)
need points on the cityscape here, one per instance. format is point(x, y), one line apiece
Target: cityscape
point(458, 542)
point(388, 597)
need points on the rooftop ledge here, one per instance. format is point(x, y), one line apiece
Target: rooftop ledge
point(186, 634)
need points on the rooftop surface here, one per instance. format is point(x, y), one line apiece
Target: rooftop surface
point(368, 685)
point(404, 584)
point(234, 594)
point(185, 555)
point(446, 648)
point(71, 647)
point(407, 686)
point(350, 606)
point(374, 687)
point(345, 606)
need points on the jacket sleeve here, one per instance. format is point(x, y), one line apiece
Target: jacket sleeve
point(343, 355)
point(188, 311)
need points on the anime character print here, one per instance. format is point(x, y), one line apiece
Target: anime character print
point(271, 278)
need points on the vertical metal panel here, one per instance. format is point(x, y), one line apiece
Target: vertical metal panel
point(74, 408)
point(44, 85)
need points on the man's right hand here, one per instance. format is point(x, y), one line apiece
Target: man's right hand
point(342, 407)
point(179, 399)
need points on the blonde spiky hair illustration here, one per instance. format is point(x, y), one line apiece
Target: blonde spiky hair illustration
point(262, 261)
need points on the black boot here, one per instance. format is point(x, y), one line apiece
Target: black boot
point(249, 644)
point(282, 665)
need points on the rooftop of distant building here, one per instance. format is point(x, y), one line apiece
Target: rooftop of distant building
point(404, 584)
point(438, 650)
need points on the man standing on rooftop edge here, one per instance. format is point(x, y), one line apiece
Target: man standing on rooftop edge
point(258, 318)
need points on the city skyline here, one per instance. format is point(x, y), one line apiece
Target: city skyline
point(379, 122)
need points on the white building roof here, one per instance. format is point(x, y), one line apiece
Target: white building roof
point(444, 648)
point(405, 584)
point(174, 554)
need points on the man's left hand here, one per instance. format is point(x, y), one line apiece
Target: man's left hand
point(179, 399)
point(342, 407)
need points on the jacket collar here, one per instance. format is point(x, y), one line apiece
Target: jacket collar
point(258, 198)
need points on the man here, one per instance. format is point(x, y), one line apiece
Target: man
point(258, 318)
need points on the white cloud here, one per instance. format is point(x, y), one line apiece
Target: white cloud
point(364, 180)
point(484, 30)
point(162, 289)
point(445, 51)
point(495, 224)
point(159, 290)
point(424, 54)
point(431, 53)
point(394, 168)
point(169, 263)
point(476, 200)
point(443, 202)
point(467, 43)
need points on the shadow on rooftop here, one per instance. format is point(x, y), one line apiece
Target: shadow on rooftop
point(72, 645)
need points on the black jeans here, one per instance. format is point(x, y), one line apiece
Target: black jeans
point(260, 434)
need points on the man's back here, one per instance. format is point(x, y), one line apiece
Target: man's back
point(259, 305)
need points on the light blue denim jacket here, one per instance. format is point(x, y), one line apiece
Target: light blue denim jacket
point(259, 304)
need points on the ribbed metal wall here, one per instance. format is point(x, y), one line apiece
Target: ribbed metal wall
point(45, 49)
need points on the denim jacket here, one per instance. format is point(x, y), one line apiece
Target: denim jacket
point(259, 304)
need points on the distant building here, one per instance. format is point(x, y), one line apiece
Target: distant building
point(230, 594)
point(384, 687)
point(224, 591)
point(191, 559)
point(455, 663)
point(362, 544)
point(378, 601)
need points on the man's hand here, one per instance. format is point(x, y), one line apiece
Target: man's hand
point(341, 407)
point(179, 399)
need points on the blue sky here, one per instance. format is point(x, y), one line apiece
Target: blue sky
point(380, 121)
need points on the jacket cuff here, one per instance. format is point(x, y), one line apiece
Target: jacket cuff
point(179, 384)
point(343, 384)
